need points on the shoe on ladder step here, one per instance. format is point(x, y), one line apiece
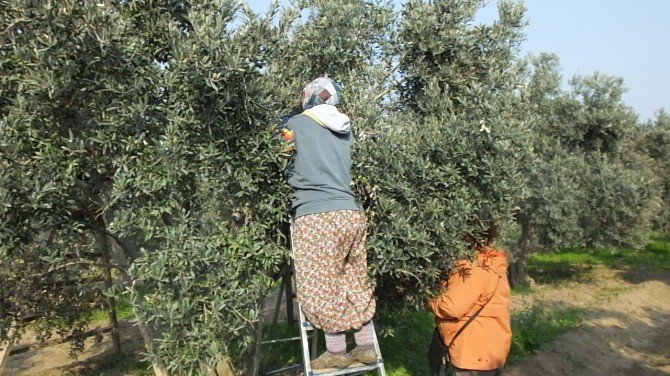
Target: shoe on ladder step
point(356, 362)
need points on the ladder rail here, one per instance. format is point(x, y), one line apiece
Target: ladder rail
point(304, 327)
point(380, 359)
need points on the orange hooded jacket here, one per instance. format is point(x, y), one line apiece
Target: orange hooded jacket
point(485, 342)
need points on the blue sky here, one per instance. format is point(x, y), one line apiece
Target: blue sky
point(624, 38)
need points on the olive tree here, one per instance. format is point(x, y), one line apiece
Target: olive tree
point(145, 125)
point(445, 158)
point(620, 192)
point(589, 185)
point(140, 137)
point(653, 142)
point(550, 211)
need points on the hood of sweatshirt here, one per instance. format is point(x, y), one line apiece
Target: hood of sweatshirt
point(328, 116)
point(493, 258)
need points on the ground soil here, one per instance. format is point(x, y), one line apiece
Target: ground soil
point(626, 328)
point(626, 331)
point(55, 360)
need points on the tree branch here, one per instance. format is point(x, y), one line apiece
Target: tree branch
point(120, 268)
point(127, 248)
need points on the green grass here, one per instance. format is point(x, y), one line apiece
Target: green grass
point(124, 311)
point(405, 352)
point(576, 263)
point(404, 338)
point(521, 290)
point(98, 316)
point(537, 327)
point(279, 355)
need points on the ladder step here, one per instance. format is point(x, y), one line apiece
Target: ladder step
point(352, 369)
point(297, 338)
point(281, 340)
point(284, 369)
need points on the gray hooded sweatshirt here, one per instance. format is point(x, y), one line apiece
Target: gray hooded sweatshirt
point(320, 171)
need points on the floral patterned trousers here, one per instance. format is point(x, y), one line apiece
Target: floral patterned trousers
point(330, 260)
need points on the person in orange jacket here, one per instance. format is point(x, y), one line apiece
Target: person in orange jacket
point(482, 346)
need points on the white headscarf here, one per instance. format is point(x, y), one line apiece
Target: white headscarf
point(323, 90)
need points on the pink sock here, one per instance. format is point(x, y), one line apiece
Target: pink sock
point(365, 336)
point(336, 343)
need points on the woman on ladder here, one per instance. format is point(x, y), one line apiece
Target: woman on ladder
point(330, 228)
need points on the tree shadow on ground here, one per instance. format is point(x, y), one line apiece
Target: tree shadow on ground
point(576, 264)
point(556, 272)
point(637, 276)
point(109, 363)
point(56, 357)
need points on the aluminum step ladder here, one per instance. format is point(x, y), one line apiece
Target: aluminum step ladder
point(286, 286)
point(307, 331)
point(309, 339)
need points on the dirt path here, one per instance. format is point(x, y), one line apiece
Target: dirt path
point(626, 329)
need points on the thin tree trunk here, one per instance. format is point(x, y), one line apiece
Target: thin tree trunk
point(109, 282)
point(100, 226)
point(145, 330)
point(6, 346)
point(518, 274)
point(148, 337)
point(147, 334)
